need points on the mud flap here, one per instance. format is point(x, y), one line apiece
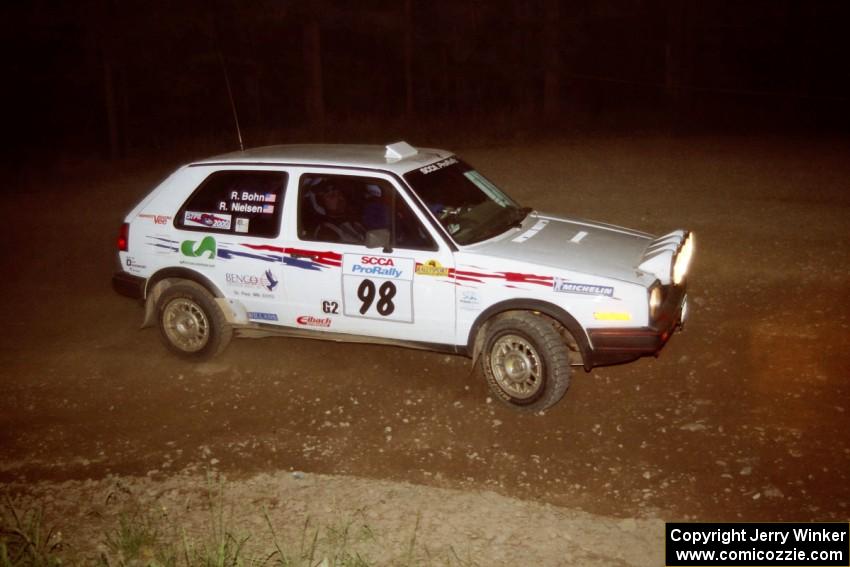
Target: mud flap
point(234, 311)
point(479, 343)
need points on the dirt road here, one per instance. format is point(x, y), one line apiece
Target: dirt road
point(745, 415)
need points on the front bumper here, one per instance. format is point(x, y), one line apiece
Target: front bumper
point(129, 285)
point(615, 345)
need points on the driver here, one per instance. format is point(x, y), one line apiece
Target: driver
point(337, 224)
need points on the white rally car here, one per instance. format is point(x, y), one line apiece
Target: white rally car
point(396, 245)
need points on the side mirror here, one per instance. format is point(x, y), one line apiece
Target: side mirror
point(378, 238)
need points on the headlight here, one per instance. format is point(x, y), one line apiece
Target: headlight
point(654, 301)
point(683, 259)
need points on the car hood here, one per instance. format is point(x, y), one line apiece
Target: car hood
point(576, 245)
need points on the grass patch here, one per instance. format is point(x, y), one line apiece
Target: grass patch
point(205, 534)
point(138, 540)
point(23, 540)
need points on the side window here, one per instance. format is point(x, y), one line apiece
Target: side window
point(236, 202)
point(342, 208)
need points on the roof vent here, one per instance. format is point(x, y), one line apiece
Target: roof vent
point(400, 150)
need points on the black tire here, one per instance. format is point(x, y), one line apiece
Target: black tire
point(191, 324)
point(525, 361)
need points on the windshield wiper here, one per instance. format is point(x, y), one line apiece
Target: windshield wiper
point(494, 228)
point(520, 218)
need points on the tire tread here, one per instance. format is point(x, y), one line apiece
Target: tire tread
point(221, 332)
point(552, 350)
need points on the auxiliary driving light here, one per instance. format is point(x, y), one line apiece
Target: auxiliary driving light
point(683, 259)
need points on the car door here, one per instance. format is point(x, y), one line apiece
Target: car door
point(370, 266)
point(224, 231)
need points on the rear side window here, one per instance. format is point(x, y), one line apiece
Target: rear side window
point(236, 202)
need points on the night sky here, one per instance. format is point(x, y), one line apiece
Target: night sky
point(111, 78)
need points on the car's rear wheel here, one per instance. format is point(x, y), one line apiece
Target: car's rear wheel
point(191, 324)
point(525, 361)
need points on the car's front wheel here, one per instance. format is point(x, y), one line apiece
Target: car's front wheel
point(525, 361)
point(191, 324)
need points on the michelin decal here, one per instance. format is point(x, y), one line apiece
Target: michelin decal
point(565, 286)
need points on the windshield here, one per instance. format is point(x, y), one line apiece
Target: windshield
point(465, 202)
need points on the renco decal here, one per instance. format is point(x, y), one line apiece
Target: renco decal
point(243, 279)
point(310, 321)
point(566, 286)
point(272, 283)
point(260, 316)
point(266, 281)
point(209, 220)
point(205, 246)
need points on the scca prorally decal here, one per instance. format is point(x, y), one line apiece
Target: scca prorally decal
point(376, 266)
point(369, 266)
point(565, 286)
point(438, 166)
